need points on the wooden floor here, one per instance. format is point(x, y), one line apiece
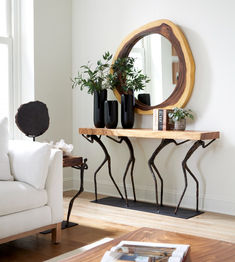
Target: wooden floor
point(98, 221)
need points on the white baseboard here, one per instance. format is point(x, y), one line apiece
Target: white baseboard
point(68, 184)
point(210, 203)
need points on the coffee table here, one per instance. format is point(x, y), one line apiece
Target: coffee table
point(201, 249)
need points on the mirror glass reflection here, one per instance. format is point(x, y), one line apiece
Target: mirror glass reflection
point(156, 57)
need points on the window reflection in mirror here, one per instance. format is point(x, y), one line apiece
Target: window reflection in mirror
point(156, 57)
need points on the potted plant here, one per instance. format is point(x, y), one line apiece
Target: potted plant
point(97, 82)
point(179, 115)
point(128, 78)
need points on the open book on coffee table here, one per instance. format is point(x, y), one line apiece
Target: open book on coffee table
point(127, 251)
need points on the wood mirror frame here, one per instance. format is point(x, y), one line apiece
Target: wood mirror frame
point(182, 92)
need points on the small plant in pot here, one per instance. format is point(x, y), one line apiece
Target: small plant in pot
point(97, 82)
point(179, 115)
point(127, 79)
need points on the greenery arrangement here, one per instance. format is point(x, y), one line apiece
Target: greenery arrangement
point(126, 76)
point(95, 79)
point(123, 75)
point(180, 113)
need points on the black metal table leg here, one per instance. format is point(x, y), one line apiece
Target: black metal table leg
point(81, 168)
point(153, 168)
point(91, 139)
point(131, 162)
point(185, 168)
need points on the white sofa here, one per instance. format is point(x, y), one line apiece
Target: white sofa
point(31, 198)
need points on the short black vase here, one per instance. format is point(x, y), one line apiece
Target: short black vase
point(111, 114)
point(127, 110)
point(144, 99)
point(99, 98)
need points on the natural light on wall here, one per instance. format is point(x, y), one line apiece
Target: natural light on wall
point(4, 80)
point(5, 56)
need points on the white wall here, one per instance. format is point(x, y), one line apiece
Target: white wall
point(52, 65)
point(98, 26)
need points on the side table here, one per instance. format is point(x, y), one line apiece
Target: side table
point(80, 164)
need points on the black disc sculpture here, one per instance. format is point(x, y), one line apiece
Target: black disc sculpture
point(33, 119)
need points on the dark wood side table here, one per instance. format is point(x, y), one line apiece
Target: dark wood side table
point(80, 164)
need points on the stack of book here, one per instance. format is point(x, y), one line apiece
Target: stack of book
point(161, 120)
point(146, 252)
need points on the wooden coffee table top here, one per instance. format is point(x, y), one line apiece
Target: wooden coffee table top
point(201, 249)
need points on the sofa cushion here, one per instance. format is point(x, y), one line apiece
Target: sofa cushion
point(29, 161)
point(5, 173)
point(18, 196)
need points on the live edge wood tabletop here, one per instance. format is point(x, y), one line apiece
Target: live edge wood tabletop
point(149, 133)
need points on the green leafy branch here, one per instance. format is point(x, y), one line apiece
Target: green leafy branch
point(94, 79)
point(126, 76)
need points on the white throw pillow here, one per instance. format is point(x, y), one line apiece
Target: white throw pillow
point(30, 161)
point(5, 173)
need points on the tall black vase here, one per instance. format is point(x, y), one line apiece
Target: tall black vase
point(127, 110)
point(111, 114)
point(99, 98)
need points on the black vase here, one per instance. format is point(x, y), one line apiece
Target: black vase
point(144, 99)
point(127, 110)
point(99, 99)
point(111, 114)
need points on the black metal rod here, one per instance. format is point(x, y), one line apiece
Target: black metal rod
point(81, 189)
point(91, 139)
point(185, 168)
point(152, 166)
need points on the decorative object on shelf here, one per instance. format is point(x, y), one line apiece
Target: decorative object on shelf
point(127, 111)
point(144, 98)
point(179, 115)
point(166, 94)
point(161, 120)
point(127, 78)
point(164, 121)
point(99, 99)
point(97, 81)
point(33, 119)
point(65, 148)
point(111, 113)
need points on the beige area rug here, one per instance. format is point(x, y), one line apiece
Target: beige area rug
point(77, 251)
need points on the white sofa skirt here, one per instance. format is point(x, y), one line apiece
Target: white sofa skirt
point(24, 221)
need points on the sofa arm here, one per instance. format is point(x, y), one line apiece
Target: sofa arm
point(54, 185)
point(29, 162)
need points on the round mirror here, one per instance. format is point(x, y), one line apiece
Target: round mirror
point(162, 53)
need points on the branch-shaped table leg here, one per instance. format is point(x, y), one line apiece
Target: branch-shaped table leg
point(131, 163)
point(81, 168)
point(153, 168)
point(91, 139)
point(185, 168)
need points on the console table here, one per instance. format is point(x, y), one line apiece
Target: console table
point(167, 137)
